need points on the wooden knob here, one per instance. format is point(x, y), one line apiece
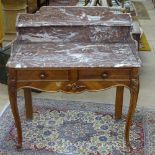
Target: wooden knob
point(104, 75)
point(42, 76)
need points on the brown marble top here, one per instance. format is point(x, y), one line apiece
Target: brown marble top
point(73, 15)
point(74, 37)
point(42, 55)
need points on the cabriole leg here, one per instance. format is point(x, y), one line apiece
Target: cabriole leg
point(134, 90)
point(119, 102)
point(12, 90)
point(28, 103)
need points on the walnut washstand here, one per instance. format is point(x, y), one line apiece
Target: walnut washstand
point(73, 49)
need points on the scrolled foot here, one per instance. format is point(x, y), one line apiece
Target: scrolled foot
point(128, 148)
point(18, 146)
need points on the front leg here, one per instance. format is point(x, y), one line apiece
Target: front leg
point(28, 103)
point(12, 90)
point(134, 90)
point(86, 2)
point(119, 102)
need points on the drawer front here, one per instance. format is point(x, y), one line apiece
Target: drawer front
point(104, 74)
point(42, 75)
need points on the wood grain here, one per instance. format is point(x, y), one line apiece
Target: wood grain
point(13, 103)
point(28, 103)
point(75, 80)
point(119, 102)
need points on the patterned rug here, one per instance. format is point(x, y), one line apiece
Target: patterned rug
point(76, 128)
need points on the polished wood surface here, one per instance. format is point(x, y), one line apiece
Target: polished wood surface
point(119, 102)
point(28, 103)
point(81, 74)
point(134, 90)
point(73, 81)
point(12, 89)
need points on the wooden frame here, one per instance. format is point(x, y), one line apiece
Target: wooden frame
point(73, 80)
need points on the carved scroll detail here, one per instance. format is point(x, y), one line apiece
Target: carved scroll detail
point(74, 87)
point(135, 85)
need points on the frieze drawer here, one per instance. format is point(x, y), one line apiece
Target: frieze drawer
point(104, 74)
point(42, 75)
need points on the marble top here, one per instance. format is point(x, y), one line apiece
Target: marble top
point(42, 55)
point(94, 48)
point(74, 16)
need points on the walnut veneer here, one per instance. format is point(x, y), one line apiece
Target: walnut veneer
point(73, 81)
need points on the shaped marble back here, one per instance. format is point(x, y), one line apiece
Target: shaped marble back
point(69, 37)
point(74, 24)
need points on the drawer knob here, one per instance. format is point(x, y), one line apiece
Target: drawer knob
point(42, 76)
point(104, 75)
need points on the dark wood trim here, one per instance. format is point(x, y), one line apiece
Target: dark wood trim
point(119, 102)
point(12, 90)
point(28, 103)
point(134, 90)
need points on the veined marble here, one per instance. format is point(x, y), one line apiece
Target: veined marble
point(73, 16)
point(74, 37)
point(73, 55)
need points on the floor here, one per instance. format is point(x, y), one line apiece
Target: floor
point(147, 89)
